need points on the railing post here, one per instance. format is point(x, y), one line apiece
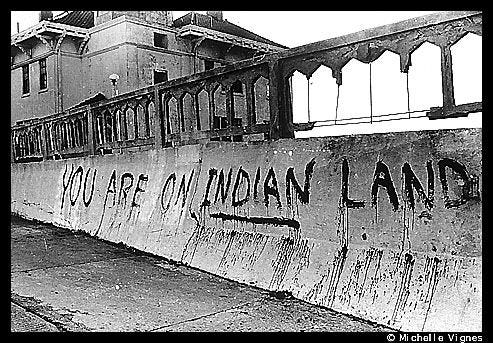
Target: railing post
point(181, 120)
point(193, 120)
point(448, 97)
point(229, 105)
point(250, 104)
point(12, 147)
point(281, 123)
point(159, 131)
point(166, 118)
point(90, 130)
point(447, 78)
point(212, 110)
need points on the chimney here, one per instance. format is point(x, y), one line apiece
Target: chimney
point(18, 28)
point(215, 14)
point(45, 15)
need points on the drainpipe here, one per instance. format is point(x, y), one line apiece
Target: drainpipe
point(59, 71)
point(59, 74)
point(195, 45)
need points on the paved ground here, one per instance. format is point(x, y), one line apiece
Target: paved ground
point(64, 281)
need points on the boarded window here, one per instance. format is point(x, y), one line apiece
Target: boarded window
point(209, 65)
point(25, 79)
point(160, 76)
point(160, 40)
point(237, 87)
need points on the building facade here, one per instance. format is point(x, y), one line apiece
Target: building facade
point(69, 58)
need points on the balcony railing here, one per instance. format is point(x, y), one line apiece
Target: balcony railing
point(249, 100)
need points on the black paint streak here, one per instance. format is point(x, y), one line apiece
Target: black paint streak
point(139, 189)
point(66, 185)
point(124, 190)
point(255, 187)
point(182, 189)
point(240, 176)
point(258, 220)
point(303, 194)
point(212, 174)
point(79, 171)
point(349, 203)
point(404, 286)
point(462, 172)
point(410, 181)
point(111, 183)
point(271, 190)
point(285, 251)
point(220, 186)
point(433, 277)
point(171, 177)
point(335, 274)
point(382, 178)
point(87, 202)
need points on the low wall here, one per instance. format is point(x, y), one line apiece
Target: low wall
point(385, 227)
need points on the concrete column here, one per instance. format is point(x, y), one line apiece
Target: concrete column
point(281, 122)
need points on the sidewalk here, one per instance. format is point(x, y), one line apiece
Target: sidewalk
point(64, 281)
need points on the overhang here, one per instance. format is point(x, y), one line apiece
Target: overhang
point(196, 32)
point(49, 29)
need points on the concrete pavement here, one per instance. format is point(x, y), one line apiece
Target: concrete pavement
point(65, 281)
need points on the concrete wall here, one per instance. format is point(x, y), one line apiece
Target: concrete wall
point(384, 227)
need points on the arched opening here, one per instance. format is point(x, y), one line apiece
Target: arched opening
point(173, 121)
point(188, 115)
point(130, 119)
point(108, 127)
point(261, 100)
point(299, 96)
point(142, 129)
point(467, 69)
point(151, 115)
point(204, 113)
point(239, 105)
point(323, 95)
point(354, 93)
point(425, 78)
point(122, 125)
point(389, 87)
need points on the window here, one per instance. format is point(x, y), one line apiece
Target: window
point(25, 79)
point(209, 65)
point(160, 76)
point(43, 80)
point(160, 40)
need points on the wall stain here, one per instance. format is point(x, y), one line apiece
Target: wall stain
point(432, 275)
point(405, 283)
point(335, 275)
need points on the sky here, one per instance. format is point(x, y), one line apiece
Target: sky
point(295, 28)
point(290, 28)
